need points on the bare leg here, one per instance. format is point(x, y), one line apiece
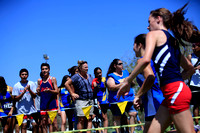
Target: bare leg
point(196, 113)
point(117, 122)
point(184, 122)
point(44, 124)
point(161, 121)
point(89, 125)
point(146, 126)
point(34, 127)
point(9, 125)
point(105, 121)
point(50, 125)
point(132, 116)
point(80, 124)
point(55, 125)
point(17, 128)
point(63, 118)
point(23, 127)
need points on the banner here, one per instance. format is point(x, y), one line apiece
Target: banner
point(20, 119)
point(52, 115)
point(122, 106)
point(86, 111)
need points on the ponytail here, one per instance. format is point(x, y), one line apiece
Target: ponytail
point(182, 28)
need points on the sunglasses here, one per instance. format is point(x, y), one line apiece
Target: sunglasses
point(120, 64)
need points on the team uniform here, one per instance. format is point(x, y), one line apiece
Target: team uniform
point(113, 99)
point(65, 99)
point(195, 82)
point(101, 94)
point(152, 98)
point(6, 103)
point(48, 101)
point(167, 63)
point(66, 102)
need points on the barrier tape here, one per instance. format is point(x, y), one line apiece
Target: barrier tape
point(111, 127)
point(102, 128)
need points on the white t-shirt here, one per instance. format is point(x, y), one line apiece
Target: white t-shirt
point(195, 79)
point(26, 104)
point(37, 100)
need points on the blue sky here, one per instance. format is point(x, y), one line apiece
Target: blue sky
point(70, 30)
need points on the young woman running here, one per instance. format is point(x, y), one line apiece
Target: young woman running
point(165, 52)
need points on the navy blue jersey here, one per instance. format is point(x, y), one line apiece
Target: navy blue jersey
point(167, 61)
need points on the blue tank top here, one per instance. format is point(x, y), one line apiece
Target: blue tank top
point(101, 91)
point(65, 98)
point(154, 97)
point(6, 102)
point(112, 98)
point(167, 61)
point(48, 100)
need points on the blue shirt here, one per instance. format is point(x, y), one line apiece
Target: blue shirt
point(65, 98)
point(154, 97)
point(82, 86)
point(113, 94)
point(100, 91)
point(6, 102)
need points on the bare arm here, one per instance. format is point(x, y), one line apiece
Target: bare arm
point(13, 106)
point(148, 82)
point(33, 95)
point(38, 86)
point(54, 82)
point(111, 85)
point(17, 98)
point(58, 98)
point(70, 88)
point(188, 69)
point(151, 41)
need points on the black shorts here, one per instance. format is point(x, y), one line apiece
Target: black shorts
point(4, 120)
point(149, 118)
point(104, 108)
point(195, 95)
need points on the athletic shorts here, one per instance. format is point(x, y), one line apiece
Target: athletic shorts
point(195, 95)
point(64, 108)
point(84, 103)
point(177, 97)
point(4, 120)
point(116, 111)
point(28, 117)
point(104, 107)
point(149, 118)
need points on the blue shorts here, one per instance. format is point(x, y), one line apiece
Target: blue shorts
point(63, 108)
point(116, 111)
